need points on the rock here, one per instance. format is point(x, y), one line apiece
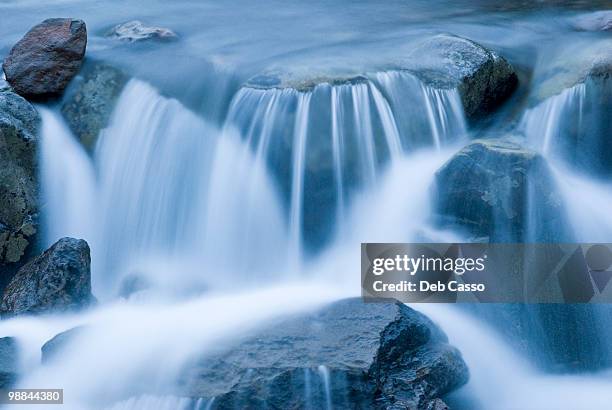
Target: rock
point(498, 190)
point(19, 123)
point(369, 355)
point(437, 404)
point(58, 342)
point(90, 100)
point(44, 61)
point(58, 280)
point(135, 30)
point(596, 21)
point(8, 362)
point(570, 65)
point(484, 79)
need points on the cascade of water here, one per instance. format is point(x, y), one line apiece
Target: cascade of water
point(324, 373)
point(339, 137)
point(518, 385)
point(164, 180)
point(297, 186)
point(574, 126)
point(68, 182)
point(548, 121)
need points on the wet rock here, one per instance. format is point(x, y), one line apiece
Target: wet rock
point(135, 30)
point(484, 78)
point(495, 189)
point(352, 354)
point(90, 101)
point(19, 123)
point(58, 342)
point(8, 362)
point(58, 280)
point(44, 61)
point(571, 65)
point(302, 81)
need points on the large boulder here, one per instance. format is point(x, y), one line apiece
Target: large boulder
point(8, 362)
point(497, 190)
point(19, 123)
point(58, 280)
point(90, 100)
point(135, 30)
point(44, 61)
point(484, 78)
point(349, 354)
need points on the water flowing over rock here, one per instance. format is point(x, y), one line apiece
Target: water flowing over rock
point(44, 61)
point(484, 78)
point(558, 338)
point(327, 136)
point(56, 281)
point(347, 355)
point(90, 101)
point(597, 21)
point(59, 341)
point(8, 362)
point(498, 190)
point(19, 123)
point(570, 66)
point(135, 30)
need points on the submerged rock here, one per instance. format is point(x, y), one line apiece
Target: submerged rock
point(484, 78)
point(8, 362)
point(90, 101)
point(571, 65)
point(44, 61)
point(349, 354)
point(56, 281)
point(135, 30)
point(497, 189)
point(19, 123)
point(597, 21)
point(58, 342)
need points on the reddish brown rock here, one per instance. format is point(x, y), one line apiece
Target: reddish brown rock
point(44, 61)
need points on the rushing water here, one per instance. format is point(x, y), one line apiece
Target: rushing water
point(212, 199)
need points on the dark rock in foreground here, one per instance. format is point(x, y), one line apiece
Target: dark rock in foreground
point(44, 61)
point(484, 79)
point(135, 30)
point(58, 280)
point(19, 123)
point(8, 362)
point(498, 190)
point(363, 355)
point(59, 341)
point(90, 101)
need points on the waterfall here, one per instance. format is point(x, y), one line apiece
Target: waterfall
point(270, 207)
point(68, 181)
point(341, 136)
point(574, 126)
point(498, 375)
point(169, 193)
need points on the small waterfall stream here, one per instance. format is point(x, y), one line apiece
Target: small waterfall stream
point(215, 220)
